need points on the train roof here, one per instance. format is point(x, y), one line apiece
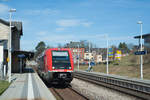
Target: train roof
point(42, 54)
point(58, 49)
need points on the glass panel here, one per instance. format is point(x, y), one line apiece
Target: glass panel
point(60, 60)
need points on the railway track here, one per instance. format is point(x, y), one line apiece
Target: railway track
point(66, 93)
point(135, 87)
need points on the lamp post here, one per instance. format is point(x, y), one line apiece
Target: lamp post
point(140, 22)
point(10, 48)
point(89, 54)
point(107, 55)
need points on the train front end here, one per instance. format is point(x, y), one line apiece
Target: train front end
point(61, 70)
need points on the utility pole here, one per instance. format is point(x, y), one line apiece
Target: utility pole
point(78, 57)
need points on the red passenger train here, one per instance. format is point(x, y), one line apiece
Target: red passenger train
point(56, 66)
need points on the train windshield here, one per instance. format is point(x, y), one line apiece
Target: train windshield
point(60, 60)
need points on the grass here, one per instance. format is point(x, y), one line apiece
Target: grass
point(128, 66)
point(3, 86)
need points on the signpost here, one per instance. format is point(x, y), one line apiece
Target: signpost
point(140, 52)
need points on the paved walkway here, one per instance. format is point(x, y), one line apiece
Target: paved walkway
point(27, 86)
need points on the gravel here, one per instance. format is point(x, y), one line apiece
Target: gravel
point(95, 92)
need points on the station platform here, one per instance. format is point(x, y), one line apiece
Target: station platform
point(27, 86)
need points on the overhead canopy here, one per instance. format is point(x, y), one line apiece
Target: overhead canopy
point(143, 36)
point(27, 54)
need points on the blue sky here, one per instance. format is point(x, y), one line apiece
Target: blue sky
point(61, 21)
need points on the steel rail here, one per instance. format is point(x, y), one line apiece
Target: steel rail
point(57, 93)
point(76, 91)
point(63, 97)
point(136, 87)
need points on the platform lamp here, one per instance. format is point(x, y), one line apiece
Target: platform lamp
point(9, 47)
point(107, 58)
point(140, 22)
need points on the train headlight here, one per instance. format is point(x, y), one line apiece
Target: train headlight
point(69, 67)
point(53, 67)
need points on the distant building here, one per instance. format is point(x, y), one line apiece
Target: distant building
point(99, 59)
point(72, 44)
point(94, 53)
point(146, 38)
point(75, 54)
point(92, 56)
point(88, 56)
point(97, 54)
point(82, 44)
point(99, 51)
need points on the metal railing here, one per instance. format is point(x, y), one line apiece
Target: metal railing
point(136, 87)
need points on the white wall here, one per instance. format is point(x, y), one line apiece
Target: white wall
point(1, 60)
point(1, 53)
point(4, 31)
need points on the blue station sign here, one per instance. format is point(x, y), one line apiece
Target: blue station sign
point(140, 52)
point(21, 56)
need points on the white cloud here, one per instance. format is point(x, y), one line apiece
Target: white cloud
point(60, 29)
point(64, 38)
point(87, 24)
point(121, 1)
point(86, 4)
point(68, 22)
point(73, 37)
point(4, 0)
point(72, 23)
point(3, 9)
point(56, 38)
point(46, 11)
point(122, 38)
point(42, 33)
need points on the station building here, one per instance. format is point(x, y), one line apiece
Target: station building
point(17, 33)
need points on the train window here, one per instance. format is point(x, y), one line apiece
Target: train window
point(60, 60)
point(60, 53)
